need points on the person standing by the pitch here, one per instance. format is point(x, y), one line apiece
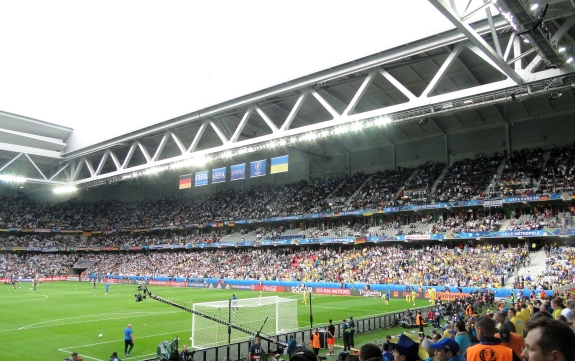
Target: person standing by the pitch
point(351, 325)
point(128, 340)
point(345, 332)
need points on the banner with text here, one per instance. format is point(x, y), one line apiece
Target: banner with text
point(218, 175)
point(238, 171)
point(201, 179)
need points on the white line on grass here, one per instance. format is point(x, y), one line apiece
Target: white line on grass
point(67, 349)
point(43, 324)
point(16, 300)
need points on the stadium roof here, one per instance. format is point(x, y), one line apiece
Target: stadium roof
point(483, 66)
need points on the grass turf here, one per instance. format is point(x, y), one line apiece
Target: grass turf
point(63, 317)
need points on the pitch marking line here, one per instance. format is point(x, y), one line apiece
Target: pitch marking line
point(67, 349)
point(43, 324)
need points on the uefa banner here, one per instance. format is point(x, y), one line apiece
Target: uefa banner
point(258, 168)
point(279, 164)
point(201, 179)
point(218, 175)
point(238, 171)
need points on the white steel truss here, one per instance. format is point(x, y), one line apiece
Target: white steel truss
point(518, 81)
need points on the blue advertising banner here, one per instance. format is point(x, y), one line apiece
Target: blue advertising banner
point(219, 175)
point(238, 171)
point(201, 179)
point(258, 168)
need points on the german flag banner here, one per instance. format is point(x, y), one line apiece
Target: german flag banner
point(185, 181)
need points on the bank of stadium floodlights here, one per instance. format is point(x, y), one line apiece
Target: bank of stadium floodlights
point(145, 293)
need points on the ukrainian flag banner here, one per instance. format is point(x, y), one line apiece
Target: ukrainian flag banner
point(279, 164)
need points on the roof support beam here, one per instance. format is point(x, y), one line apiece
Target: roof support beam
point(568, 24)
point(442, 70)
point(115, 160)
point(534, 64)
point(509, 46)
point(351, 106)
point(10, 162)
point(59, 171)
point(144, 152)
point(89, 166)
point(102, 162)
point(178, 142)
point(397, 84)
point(129, 155)
point(494, 34)
point(35, 166)
point(161, 146)
point(324, 103)
point(267, 119)
point(199, 134)
point(297, 106)
point(477, 40)
point(76, 169)
point(242, 124)
point(219, 132)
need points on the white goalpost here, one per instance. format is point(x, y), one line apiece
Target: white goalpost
point(249, 313)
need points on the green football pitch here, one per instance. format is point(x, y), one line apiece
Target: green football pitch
point(60, 318)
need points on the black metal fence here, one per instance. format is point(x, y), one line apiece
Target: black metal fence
point(239, 350)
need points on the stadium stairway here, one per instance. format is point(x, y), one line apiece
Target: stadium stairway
point(536, 268)
point(360, 187)
point(441, 175)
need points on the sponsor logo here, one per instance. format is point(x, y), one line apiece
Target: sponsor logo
point(274, 288)
point(197, 285)
point(241, 287)
point(370, 293)
point(299, 289)
point(333, 291)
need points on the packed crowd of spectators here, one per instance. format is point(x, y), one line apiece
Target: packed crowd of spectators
point(381, 190)
point(469, 224)
point(467, 179)
point(430, 265)
point(559, 266)
point(418, 188)
point(523, 167)
point(464, 180)
point(558, 176)
point(542, 220)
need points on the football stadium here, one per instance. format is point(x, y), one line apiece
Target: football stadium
point(288, 181)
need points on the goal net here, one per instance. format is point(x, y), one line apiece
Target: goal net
point(249, 313)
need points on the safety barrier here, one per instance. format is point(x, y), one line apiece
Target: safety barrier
point(239, 350)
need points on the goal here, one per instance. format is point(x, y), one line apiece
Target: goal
point(249, 313)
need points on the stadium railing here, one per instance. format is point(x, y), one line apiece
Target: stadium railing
point(239, 351)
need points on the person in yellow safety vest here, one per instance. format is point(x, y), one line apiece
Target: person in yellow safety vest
point(314, 340)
